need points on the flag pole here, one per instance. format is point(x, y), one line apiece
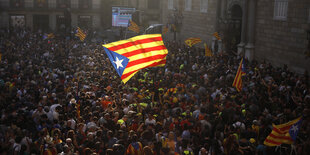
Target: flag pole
point(126, 33)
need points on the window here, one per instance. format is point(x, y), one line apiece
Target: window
point(204, 6)
point(41, 3)
point(188, 5)
point(17, 20)
point(17, 3)
point(153, 4)
point(280, 9)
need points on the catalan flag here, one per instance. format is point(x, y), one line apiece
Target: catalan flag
point(238, 79)
point(131, 55)
point(192, 41)
point(174, 28)
point(216, 35)
point(133, 26)
point(283, 133)
point(48, 36)
point(0, 57)
point(208, 51)
point(165, 29)
point(80, 34)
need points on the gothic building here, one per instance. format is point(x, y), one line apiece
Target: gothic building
point(274, 30)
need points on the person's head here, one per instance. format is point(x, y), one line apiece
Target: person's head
point(171, 135)
point(110, 134)
point(147, 150)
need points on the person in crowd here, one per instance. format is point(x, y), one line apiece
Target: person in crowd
point(63, 96)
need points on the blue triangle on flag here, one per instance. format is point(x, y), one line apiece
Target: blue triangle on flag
point(118, 61)
point(294, 129)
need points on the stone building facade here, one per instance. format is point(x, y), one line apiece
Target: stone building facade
point(274, 30)
point(51, 14)
point(197, 19)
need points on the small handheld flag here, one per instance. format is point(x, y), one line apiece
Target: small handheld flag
point(216, 35)
point(208, 52)
point(238, 78)
point(80, 34)
point(284, 133)
point(131, 55)
point(133, 26)
point(192, 41)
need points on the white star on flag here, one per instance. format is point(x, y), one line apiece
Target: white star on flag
point(118, 63)
point(294, 128)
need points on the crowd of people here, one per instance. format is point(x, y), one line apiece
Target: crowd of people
point(63, 96)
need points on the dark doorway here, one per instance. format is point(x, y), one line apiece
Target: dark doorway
point(233, 29)
point(41, 22)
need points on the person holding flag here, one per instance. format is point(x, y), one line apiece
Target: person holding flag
point(238, 78)
point(284, 133)
point(79, 33)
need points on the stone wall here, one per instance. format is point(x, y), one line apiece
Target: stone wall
point(283, 42)
point(194, 23)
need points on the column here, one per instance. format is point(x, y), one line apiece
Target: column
point(29, 20)
point(74, 19)
point(213, 44)
point(223, 8)
point(249, 48)
point(220, 46)
point(243, 30)
point(52, 21)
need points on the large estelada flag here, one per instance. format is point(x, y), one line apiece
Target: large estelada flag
point(192, 41)
point(131, 55)
point(283, 133)
point(133, 26)
point(238, 78)
point(80, 34)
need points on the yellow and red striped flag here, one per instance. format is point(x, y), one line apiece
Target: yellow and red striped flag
point(192, 41)
point(50, 35)
point(131, 55)
point(238, 78)
point(80, 34)
point(208, 51)
point(133, 26)
point(216, 35)
point(283, 133)
point(0, 57)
